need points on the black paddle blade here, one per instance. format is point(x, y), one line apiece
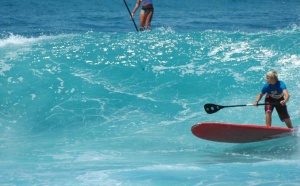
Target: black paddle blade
point(212, 108)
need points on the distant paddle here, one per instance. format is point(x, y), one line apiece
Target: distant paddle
point(130, 16)
point(213, 108)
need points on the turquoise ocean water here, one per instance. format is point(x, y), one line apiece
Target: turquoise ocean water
point(87, 100)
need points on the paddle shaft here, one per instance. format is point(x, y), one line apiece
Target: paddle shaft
point(130, 16)
point(244, 105)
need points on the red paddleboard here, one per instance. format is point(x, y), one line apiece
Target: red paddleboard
point(237, 133)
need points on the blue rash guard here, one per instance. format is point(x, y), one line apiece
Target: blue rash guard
point(275, 91)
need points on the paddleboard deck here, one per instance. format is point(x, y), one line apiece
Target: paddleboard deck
point(237, 133)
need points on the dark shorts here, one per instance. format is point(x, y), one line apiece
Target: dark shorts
point(281, 110)
point(147, 10)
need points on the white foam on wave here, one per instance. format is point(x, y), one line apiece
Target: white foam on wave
point(293, 60)
point(92, 177)
point(16, 40)
point(4, 67)
point(112, 176)
point(178, 167)
point(297, 131)
point(21, 40)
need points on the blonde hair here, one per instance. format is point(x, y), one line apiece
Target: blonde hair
point(272, 74)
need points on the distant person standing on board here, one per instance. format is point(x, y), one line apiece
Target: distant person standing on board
point(146, 13)
point(277, 95)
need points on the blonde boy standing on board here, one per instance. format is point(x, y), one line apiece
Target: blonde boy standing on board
point(277, 95)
